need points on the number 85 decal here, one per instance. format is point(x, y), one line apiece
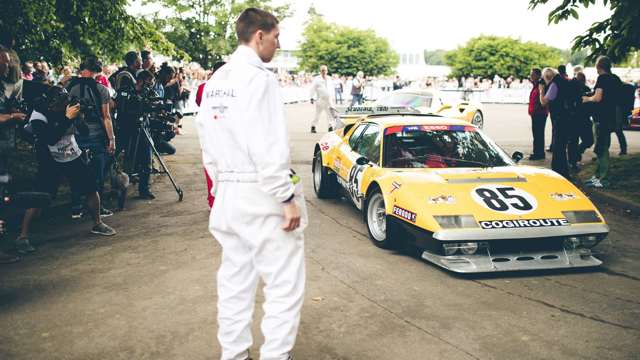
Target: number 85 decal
point(505, 199)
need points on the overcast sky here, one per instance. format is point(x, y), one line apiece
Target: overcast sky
point(413, 25)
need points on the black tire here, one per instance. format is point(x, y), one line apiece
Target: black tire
point(389, 237)
point(325, 183)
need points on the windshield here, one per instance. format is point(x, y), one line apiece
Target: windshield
point(405, 100)
point(440, 146)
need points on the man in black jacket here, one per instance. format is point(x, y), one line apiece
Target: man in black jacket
point(58, 154)
point(560, 96)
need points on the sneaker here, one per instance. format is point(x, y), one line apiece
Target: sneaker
point(105, 213)
point(596, 184)
point(536, 157)
point(147, 195)
point(590, 180)
point(330, 128)
point(313, 129)
point(622, 152)
point(77, 214)
point(103, 229)
point(23, 246)
point(8, 258)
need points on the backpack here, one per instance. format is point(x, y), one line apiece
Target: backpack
point(624, 106)
point(94, 94)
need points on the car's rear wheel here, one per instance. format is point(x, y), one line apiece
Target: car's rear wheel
point(381, 231)
point(477, 119)
point(325, 183)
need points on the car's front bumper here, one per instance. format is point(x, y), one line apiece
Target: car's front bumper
point(480, 263)
point(514, 249)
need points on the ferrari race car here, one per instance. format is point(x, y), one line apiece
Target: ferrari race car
point(443, 186)
point(428, 101)
point(634, 120)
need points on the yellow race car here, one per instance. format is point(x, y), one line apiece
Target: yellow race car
point(442, 185)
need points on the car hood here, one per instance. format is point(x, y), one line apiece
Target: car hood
point(468, 191)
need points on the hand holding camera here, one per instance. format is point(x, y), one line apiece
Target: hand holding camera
point(72, 111)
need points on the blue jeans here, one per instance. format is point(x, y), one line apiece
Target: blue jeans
point(356, 99)
point(98, 165)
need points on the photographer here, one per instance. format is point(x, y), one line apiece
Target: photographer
point(99, 143)
point(53, 124)
point(8, 115)
point(132, 102)
point(125, 77)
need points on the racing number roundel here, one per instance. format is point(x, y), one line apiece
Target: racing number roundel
point(504, 199)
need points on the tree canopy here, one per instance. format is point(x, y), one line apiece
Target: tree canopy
point(345, 50)
point(615, 37)
point(61, 31)
point(205, 29)
point(434, 57)
point(486, 56)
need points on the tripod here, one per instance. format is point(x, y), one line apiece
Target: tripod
point(142, 134)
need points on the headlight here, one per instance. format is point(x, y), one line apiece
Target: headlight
point(469, 248)
point(580, 217)
point(450, 249)
point(456, 221)
point(581, 241)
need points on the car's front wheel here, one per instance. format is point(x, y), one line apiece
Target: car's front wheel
point(381, 231)
point(478, 119)
point(325, 184)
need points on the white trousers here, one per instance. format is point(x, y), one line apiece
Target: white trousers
point(248, 225)
point(323, 106)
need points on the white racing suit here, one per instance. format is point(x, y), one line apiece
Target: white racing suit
point(321, 90)
point(245, 147)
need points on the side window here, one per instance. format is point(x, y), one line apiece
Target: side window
point(369, 144)
point(353, 140)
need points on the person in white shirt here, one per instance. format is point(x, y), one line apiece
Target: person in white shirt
point(321, 90)
point(259, 213)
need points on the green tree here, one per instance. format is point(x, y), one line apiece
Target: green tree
point(205, 29)
point(61, 31)
point(615, 37)
point(435, 57)
point(345, 50)
point(486, 56)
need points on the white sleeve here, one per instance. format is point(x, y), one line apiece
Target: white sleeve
point(269, 140)
point(314, 90)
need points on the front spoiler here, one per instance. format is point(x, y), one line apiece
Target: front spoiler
point(482, 263)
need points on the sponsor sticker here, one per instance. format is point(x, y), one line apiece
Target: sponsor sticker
point(405, 214)
point(324, 146)
point(522, 223)
point(396, 185)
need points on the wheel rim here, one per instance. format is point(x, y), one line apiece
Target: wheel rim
point(317, 172)
point(376, 218)
point(477, 120)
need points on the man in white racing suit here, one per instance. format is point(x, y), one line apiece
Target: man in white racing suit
point(322, 89)
point(259, 214)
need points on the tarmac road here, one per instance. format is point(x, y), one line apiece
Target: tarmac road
point(149, 292)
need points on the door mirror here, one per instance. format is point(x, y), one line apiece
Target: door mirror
point(517, 156)
point(362, 161)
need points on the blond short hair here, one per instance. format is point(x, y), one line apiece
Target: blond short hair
point(548, 74)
